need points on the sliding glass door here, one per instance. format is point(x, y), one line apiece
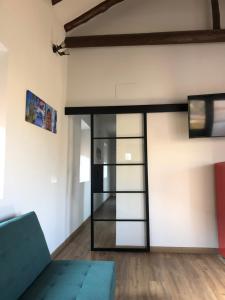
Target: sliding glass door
point(119, 182)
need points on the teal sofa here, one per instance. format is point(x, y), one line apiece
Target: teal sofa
point(28, 273)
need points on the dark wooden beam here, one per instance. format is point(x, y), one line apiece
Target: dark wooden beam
point(100, 8)
point(55, 1)
point(138, 39)
point(152, 108)
point(216, 14)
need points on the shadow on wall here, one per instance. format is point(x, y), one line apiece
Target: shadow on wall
point(202, 210)
point(182, 183)
point(178, 126)
point(6, 210)
point(6, 213)
point(78, 181)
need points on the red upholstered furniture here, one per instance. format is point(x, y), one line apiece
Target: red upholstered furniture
point(220, 204)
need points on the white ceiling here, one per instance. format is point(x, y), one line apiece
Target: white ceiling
point(67, 10)
point(140, 16)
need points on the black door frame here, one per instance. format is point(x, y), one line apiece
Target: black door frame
point(145, 165)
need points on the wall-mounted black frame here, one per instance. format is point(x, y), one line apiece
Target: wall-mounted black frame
point(209, 114)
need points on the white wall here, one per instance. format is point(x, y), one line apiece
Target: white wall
point(3, 83)
point(34, 157)
point(147, 74)
point(78, 193)
point(3, 108)
point(144, 75)
point(160, 74)
point(181, 183)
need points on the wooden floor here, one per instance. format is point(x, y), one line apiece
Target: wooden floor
point(145, 276)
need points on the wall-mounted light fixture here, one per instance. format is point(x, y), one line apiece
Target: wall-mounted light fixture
point(60, 49)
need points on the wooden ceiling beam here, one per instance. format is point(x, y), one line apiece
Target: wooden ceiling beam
point(140, 39)
point(152, 108)
point(55, 1)
point(92, 13)
point(216, 14)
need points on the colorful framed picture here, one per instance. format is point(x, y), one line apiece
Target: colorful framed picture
point(40, 113)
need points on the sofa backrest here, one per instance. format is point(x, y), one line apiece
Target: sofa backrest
point(23, 255)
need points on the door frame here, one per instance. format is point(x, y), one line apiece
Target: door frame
point(145, 109)
point(146, 192)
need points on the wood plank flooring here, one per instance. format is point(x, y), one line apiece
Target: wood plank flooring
point(145, 276)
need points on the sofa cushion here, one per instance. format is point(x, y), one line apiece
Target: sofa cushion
point(23, 255)
point(74, 280)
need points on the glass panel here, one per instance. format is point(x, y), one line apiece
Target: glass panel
point(104, 126)
point(118, 178)
point(130, 178)
point(197, 115)
point(130, 151)
point(104, 234)
point(103, 178)
point(111, 234)
point(118, 139)
point(120, 151)
point(119, 206)
point(129, 125)
point(109, 178)
point(120, 125)
point(105, 151)
point(130, 234)
point(104, 206)
point(130, 206)
point(219, 118)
